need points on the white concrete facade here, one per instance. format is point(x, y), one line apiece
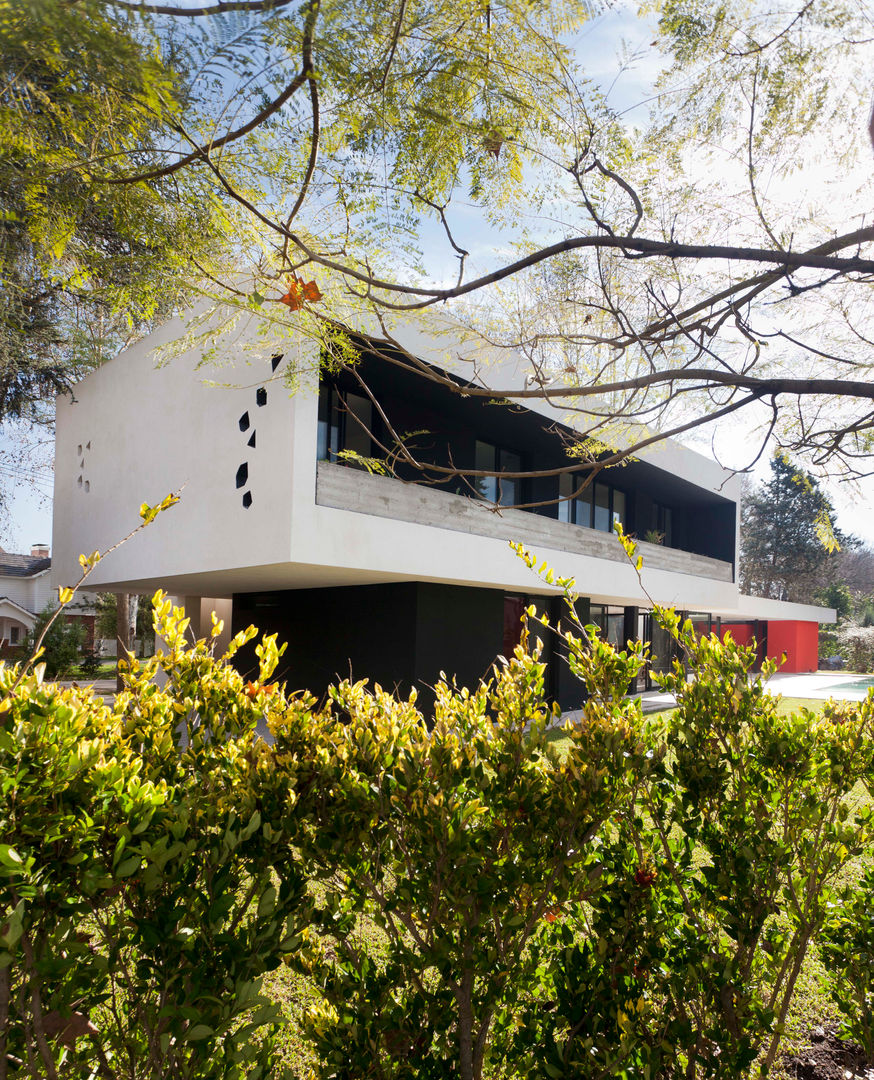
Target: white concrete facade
point(135, 432)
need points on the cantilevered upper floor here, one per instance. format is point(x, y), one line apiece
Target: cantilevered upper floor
point(275, 494)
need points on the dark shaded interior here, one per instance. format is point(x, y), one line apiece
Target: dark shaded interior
point(446, 429)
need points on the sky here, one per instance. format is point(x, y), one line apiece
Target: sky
point(618, 32)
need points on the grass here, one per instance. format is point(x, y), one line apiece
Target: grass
point(561, 743)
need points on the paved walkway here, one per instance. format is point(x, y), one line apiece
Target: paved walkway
point(819, 686)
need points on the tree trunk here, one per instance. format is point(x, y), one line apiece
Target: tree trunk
point(122, 630)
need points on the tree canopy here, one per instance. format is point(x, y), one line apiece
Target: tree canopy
point(789, 539)
point(303, 164)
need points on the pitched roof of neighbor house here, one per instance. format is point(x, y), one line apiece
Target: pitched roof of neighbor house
point(5, 601)
point(22, 565)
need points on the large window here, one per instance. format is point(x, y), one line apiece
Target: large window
point(611, 622)
point(665, 524)
point(598, 506)
point(345, 423)
point(575, 507)
point(505, 491)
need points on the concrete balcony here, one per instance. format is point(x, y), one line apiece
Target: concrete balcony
point(354, 490)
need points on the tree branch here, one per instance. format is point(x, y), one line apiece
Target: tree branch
point(213, 9)
point(200, 153)
point(651, 248)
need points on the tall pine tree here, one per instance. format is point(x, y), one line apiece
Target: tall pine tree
point(789, 538)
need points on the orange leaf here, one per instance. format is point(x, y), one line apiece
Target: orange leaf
point(294, 297)
point(300, 291)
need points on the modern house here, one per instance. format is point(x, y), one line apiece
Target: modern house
point(400, 577)
point(25, 590)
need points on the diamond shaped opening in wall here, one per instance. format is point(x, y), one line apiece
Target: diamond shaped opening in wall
point(261, 396)
point(242, 474)
point(251, 441)
point(247, 500)
point(244, 422)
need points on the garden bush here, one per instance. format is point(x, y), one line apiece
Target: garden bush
point(848, 951)
point(640, 905)
point(60, 644)
point(857, 646)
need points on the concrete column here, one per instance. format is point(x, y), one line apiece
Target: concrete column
point(199, 610)
point(629, 633)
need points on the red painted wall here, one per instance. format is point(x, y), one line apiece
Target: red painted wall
point(800, 642)
point(741, 632)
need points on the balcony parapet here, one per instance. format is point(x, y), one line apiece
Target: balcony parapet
point(344, 488)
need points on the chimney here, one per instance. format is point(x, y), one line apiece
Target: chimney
point(39, 551)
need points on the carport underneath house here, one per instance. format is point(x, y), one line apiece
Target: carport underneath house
point(385, 577)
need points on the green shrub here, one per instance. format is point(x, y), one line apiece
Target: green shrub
point(847, 948)
point(458, 842)
point(90, 662)
point(640, 906)
point(137, 883)
point(60, 646)
point(857, 646)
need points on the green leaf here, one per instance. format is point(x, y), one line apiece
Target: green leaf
point(10, 857)
point(198, 1032)
point(128, 867)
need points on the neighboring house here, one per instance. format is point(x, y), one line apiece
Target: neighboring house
point(366, 574)
point(26, 589)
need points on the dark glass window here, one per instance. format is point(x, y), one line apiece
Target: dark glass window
point(602, 508)
point(575, 509)
point(329, 424)
point(506, 491)
point(665, 524)
point(359, 424)
point(618, 514)
point(345, 423)
point(598, 506)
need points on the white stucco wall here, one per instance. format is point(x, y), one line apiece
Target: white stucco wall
point(133, 433)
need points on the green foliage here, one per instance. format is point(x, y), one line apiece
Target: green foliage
point(857, 647)
point(847, 949)
point(82, 262)
point(784, 553)
point(838, 596)
point(90, 661)
point(140, 905)
point(106, 622)
point(458, 842)
point(60, 646)
point(639, 905)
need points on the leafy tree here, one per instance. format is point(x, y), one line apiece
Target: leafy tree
point(788, 536)
point(83, 265)
point(836, 595)
point(297, 163)
point(61, 645)
point(106, 624)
